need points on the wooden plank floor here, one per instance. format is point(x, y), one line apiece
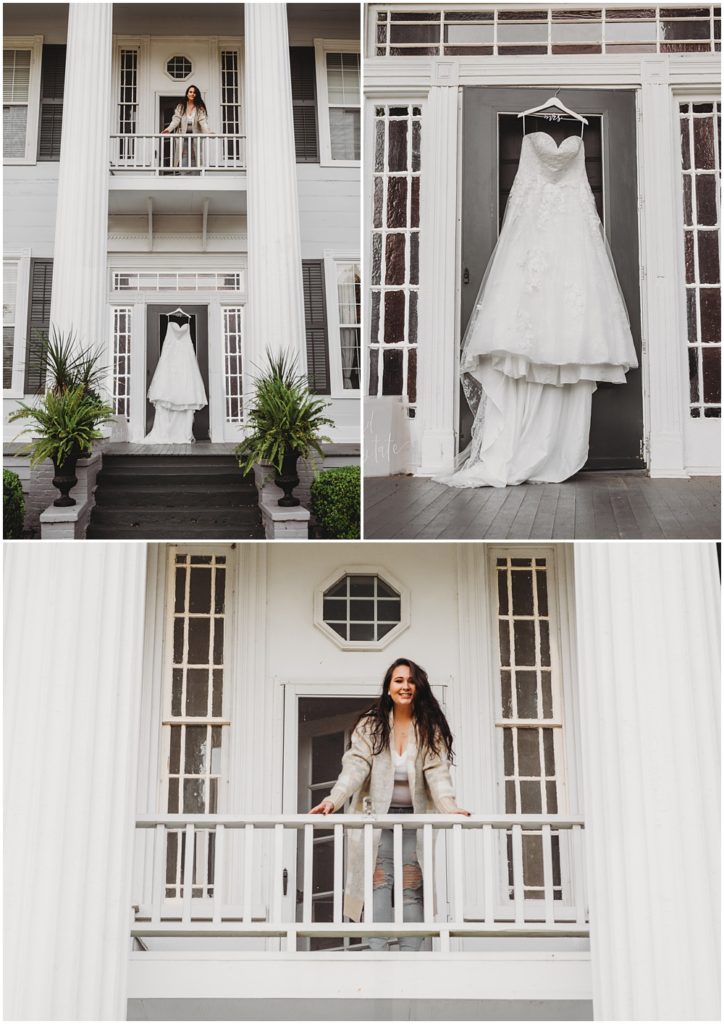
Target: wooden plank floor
point(626, 505)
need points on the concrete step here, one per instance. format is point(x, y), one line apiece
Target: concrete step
point(196, 495)
point(147, 532)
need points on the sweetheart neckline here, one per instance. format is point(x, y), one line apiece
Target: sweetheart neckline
point(556, 146)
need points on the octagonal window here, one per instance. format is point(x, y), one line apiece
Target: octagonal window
point(361, 608)
point(178, 68)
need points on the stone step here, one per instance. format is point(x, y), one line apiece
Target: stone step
point(194, 496)
point(148, 532)
point(137, 516)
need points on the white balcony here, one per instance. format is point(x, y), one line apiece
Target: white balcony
point(282, 878)
point(177, 155)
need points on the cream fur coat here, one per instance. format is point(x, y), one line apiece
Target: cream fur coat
point(365, 774)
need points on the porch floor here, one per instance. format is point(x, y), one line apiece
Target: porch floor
point(625, 505)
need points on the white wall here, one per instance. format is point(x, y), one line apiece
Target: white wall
point(30, 194)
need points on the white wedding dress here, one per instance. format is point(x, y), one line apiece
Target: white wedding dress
point(177, 389)
point(549, 322)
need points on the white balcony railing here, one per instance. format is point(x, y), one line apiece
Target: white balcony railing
point(283, 877)
point(177, 154)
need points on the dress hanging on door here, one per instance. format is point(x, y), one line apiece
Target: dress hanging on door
point(548, 323)
point(177, 389)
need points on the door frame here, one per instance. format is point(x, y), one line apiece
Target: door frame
point(602, 111)
point(656, 79)
point(291, 691)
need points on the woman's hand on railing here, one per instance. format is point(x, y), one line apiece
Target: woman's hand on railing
point(326, 807)
point(165, 131)
point(460, 810)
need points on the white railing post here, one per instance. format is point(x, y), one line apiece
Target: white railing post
point(547, 840)
point(397, 885)
point(276, 907)
point(308, 867)
point(159, 882)
point(578, 879)
point(248, 860)
point(189, 843)
point(219, 868)
point(338, 862)
point(368, 870)
point(427, 878)
point(489, 869)
point(518, 895)
point(457, 900)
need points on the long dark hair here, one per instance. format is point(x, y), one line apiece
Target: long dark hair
point(431, 725)
point(199, 102)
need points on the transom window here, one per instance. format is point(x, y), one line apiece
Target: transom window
point(504, 31)
point(179, 68)
point(176, 281)
point(361, 609)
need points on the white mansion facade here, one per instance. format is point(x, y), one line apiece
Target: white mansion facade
point(166, 698)
point(252, 230)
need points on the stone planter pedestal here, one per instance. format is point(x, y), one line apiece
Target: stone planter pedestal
point(279, 523)
point(72, 523)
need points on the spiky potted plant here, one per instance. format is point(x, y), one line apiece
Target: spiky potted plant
point(66, 418)
point(286, 422)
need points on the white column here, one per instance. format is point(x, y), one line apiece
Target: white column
point(438, 382)
point(79, 269)
point(74, 616)
point(648, 675)
point(663, 325)
point(276, 302)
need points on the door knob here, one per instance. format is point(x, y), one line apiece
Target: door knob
point(466, 276)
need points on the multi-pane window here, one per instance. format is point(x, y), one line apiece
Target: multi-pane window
point(193, 725)
point(361, 608)
point(700, 163)
point(349, 307)
point(176, 281)
point(229, 92)
point(128, 101)
point(528, 719)
point(178, 68)
point(484, 31)
point(395, 251)
point(122, 316)
point(233, 381)
point(343, 103)
point(16, 93)
point(10, 296)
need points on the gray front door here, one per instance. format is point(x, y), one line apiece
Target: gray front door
point(491, 143)
point(156, 322)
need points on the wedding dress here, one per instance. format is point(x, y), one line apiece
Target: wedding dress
point(177, 389)
point(549, 322)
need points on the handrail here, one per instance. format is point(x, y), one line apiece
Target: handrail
point(159, 153)
point(255, 876)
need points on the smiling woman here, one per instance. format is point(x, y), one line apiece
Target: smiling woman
point(398, 762)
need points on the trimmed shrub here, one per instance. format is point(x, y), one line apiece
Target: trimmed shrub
point(336, 502)
point(13, 506)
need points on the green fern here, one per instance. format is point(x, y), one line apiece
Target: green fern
point(284, 416)
point(66, 423)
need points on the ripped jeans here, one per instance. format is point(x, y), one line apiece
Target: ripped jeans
point(383, 881)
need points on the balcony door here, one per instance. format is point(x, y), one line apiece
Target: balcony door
point(157, 322)
point(325, 725)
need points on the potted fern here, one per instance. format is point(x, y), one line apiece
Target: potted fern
point(66, 418)
point(286, 421)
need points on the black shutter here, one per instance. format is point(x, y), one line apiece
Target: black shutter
point(41, 285)
point(304, 104)
point(51, 102)
point(315, 323)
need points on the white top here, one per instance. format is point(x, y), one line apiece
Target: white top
point(401, 796)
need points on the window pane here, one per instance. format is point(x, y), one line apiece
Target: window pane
point(344, 130)
point(14, 122)
point(343, 85)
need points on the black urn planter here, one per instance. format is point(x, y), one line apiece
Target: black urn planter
point(65, 480)
point(288, 479)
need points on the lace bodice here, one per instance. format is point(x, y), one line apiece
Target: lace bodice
point(551, 179)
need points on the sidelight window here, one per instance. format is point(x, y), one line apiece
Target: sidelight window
point(194, 729)
point(700, 125)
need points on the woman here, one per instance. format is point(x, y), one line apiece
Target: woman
point(398, 758)
point(189, 118)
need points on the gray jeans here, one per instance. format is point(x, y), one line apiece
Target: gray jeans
point(383, 885)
